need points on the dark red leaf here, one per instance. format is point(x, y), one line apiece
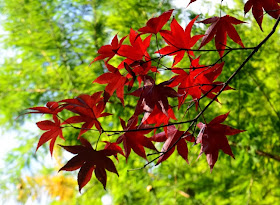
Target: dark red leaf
point(271, 7)
point(212, 137)
point(171, 137)
point(191, 1)
point(198, 81)
point(88, 108)
point(88, 159)
point(152, 95)
point(220, 28)
point(135, 140)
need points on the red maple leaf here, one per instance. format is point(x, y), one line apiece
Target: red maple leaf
point(179, 40)
point(213, 138)
point(199, 80)
point(154, 25)
point(157, 117)
point(152, 95)
point(51, 108)
point(109, 51)
point(191, 1)
point(136, 51)
point(171, 137)
point(88, 108)
point(54, 130)
point(135, 140)
point(114, 80)
point(87, 159)
point(271, 7)
point(112, 148)
point(220, 28)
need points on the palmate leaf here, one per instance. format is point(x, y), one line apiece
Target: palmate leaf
point(199, 80)
point(50, 108)
point(271, 7)
point(137, 49)
point(53, 130)
point(135, 140)
point(170, 138)
point(220, 28)
point(178, 39)
point(152, 95)
point(212, 138)
point(87, 159)
point(88, 108)
point(191, 1)
point(154, 25)
point(114, 80)
point(109, 51)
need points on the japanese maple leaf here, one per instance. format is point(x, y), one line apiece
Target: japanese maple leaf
point(179, 40)
point(191, 1)
point(51, 108)
point(138, 69)
point(157, 117)
point(53, 130)
point(109, 51)
point(87, 159)
point(152, 95)
point(199, 80)
point(154, 25)
point(136, 51)
point(171, 137)
point(114, 80)
point(135, 140)
point(112, 148)
point(220, 28)
point(88, 108)
point(271, 7)
point(213, 138)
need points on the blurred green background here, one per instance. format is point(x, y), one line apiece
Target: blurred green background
point(47, 46)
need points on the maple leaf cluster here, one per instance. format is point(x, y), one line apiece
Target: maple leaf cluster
point(153, 110)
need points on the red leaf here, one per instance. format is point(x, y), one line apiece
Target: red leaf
point(137, 50)
point(179, 40)
point(135, 140)
point(112, 148)
point(88, 108)
point(154, 25)
point(191, 1)
point(171, 137)
point(51, 108)
point(220, 28)
point(109, 51)
point(88, 159)
point(157, 117)
point(85, 174)
point(213, 138)
point(152, 95)
point(271, 7)
point(198, 81)
point(54, 130)
point(114, 80)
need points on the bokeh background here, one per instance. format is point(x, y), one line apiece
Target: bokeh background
point(46, 48)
